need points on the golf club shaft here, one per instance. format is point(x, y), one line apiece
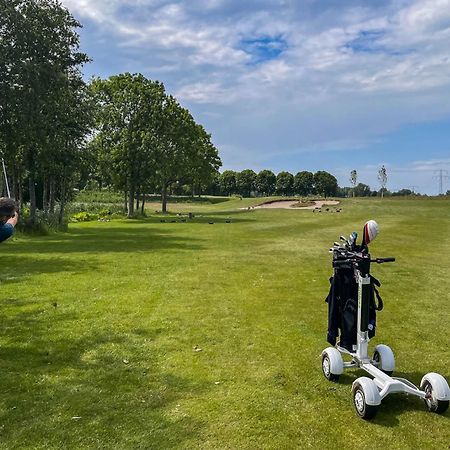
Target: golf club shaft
point(6, 178)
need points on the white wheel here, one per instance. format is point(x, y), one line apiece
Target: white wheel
point(365, 398)
point(383, 358)
point(437, 392)
point(332, 364)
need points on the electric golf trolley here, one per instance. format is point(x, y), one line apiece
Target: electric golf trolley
point(352, 316)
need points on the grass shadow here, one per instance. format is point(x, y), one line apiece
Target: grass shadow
point(100, 238)
point(55, 383)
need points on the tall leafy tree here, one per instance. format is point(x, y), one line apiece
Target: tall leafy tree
point(325, 184)
point(285, 183)
point(40, 69)
point(245, 182)
point(265, 182)
point(149, 138)
point(176, 141)
point(127, 114)
point(227, 182)
point(205, 163)
point(304, 183)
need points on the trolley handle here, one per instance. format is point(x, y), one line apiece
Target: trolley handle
point(382, 260)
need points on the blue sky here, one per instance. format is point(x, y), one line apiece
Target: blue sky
point(294, 85)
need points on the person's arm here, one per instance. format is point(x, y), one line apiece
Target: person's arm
point(13, 220)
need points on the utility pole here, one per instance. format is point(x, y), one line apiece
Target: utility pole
point(441, 176)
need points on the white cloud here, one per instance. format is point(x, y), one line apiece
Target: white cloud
point(346, 74)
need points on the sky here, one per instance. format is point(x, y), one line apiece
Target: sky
point(295, 85)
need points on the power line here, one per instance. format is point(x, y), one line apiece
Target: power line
point(441, 176)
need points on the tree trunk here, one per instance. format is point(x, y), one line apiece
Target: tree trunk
point(32, 187)
point(13, 187)
point(164, 198)
point(143, 204)
point(51, 196)
point(130, 209)
point(137, 200)
point(19, 190)
point(45, 196)
point(62, 202)
point(125, 200)
point(193, 190)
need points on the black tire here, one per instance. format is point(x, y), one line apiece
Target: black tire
point(377, 359)
point(362, 409)
point(436, 406)
point(326, 369)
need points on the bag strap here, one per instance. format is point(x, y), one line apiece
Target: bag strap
point(380, 305)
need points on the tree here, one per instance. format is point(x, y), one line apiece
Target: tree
point(403, 193)
point(382, 178)
point(204, 163)
point(245, 182)
point(39, 77)
point(361, 190)
point(285, 183)
point(265, 182)
point(325, 184)
point(304, 183)
point(353, 179)
point(126, 116)
point(227, 182)
point(150, 139)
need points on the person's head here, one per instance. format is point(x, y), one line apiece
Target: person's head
point(7, 209)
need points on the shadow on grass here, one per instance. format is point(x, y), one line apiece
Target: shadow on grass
point(21, 267)
point(66, 386)
point(134, 238)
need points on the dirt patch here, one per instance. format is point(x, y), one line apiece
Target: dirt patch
point(296, 204)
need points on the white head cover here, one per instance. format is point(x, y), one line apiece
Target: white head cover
point(370, 231)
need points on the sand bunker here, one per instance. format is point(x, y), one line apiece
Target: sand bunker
point(292, 204)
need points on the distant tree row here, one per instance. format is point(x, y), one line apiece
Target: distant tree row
point(363, 190)
point(266, 183)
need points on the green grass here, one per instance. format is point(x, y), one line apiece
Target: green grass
point(99, 329)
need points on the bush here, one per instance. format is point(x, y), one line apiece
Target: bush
point(42, 225)
point(105, 196)
point(83, 216)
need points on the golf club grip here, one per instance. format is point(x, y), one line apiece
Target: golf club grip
point(383, 260)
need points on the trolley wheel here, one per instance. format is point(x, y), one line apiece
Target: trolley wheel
point(432, 403)
point(326, 368)
point(377, 359)
point(383, 356)
point(362, 409)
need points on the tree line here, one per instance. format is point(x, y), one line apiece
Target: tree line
point(265, 183)
point(57, 131)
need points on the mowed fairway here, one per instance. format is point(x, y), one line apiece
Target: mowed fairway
point(149, 335)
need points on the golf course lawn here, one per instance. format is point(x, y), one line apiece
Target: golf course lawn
point(139, 334)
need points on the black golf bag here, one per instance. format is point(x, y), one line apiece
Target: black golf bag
point(342, 302)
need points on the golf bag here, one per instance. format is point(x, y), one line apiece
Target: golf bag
point(342, 302)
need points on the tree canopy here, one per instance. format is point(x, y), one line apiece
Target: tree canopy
point(44, 108)
point(149, 139)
